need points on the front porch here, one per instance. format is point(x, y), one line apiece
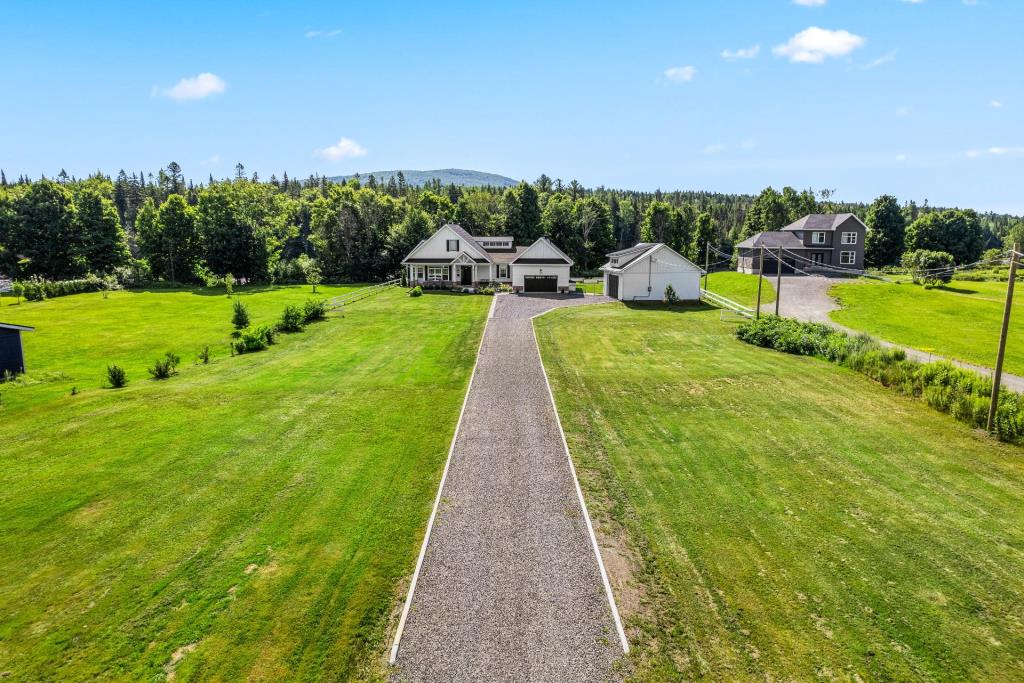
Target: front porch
point(462, 272)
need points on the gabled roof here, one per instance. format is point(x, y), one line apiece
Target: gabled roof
point(822, 221)
point(466, 238)
point(545, 240)
point(20, 328)
point(507, 256)
point(772, 240)
point(630, 257)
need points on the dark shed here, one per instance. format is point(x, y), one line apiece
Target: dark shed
point(12, 359)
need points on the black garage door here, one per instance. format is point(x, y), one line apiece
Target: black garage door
point(613, 286)
point(540, 283)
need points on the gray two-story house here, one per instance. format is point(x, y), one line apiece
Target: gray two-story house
point(829, 243)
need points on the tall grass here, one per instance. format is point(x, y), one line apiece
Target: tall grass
point(961, 393)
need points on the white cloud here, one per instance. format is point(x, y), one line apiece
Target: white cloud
point(680, 74)
point(193, 88)
point(996, 104)
point(323, 34)
point(810, 3)
point(918, 2)
point(901, 157)
point(212, 161)
point(995, 152)
point(884, 59)
point(720, 147)
point(743, 53)
point(345, 148)
point(904, 112)
point(716, 148)
point(814, 45)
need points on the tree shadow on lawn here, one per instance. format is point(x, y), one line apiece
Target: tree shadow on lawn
point(957, 290)
point(687, 307)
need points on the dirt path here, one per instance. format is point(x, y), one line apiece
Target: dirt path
point(510, 588)
point(806, 298)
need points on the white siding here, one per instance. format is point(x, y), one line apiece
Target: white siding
point(647, 278)
point(541, 249)
point(483, 272)
point(436, 246)
point(518, 271)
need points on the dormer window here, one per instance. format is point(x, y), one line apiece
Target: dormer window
point(453, 245)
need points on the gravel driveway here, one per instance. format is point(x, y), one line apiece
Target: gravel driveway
point(806, 298)
point(510, 588)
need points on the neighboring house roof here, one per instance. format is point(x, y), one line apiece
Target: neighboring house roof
point(630, 257)
point(20, 328)
point(545, 240)
point(821, 221)
point(773, 240)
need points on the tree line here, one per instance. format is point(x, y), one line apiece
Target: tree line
point(160, 226)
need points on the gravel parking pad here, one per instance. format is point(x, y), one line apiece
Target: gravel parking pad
point(510, 589)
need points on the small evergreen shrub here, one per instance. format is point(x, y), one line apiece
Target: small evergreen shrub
point(292, 319)
point(254, 339)
point(165, 367)
point(116, 376)
point(313, 310)
point(239, 315)
point(416, 291)
point(670, 295)
point(204, 356)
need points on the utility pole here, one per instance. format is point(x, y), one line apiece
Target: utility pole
point(778, 281)
point(998, 375)
point(760, 278)
point(707, 261)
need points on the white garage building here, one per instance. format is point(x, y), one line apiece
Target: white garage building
point(642, 272)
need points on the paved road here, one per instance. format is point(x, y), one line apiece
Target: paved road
point(806, 298)
point(510, 588)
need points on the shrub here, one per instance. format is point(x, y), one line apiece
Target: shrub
point(18, 290)
point(116, 376)
point(165, 367)
point(921, 261)
point(204, 356)
point(229, 284)
point(313, 310)
point(38, 289)
point(239, 315)
point(670, 295)
point(943, 386)
point(254, 339)
point(486, 291)
point(292, 319)
point(416, 291)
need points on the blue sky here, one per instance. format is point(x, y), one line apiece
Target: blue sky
point(924, 100)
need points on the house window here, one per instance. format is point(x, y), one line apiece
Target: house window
point(818, 258)
point(849, 238)
point(503, 271)
point(847, 258)
point(436, 272)
point(419, 272)
point(453, 245)
point(817, 238)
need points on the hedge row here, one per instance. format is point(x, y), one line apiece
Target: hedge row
point(961, 393)
point(37, 290)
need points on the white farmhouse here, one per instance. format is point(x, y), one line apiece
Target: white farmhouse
point(453, 257)
point(642, 272)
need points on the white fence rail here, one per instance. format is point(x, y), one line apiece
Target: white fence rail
point(339, 302)
point(726, 304)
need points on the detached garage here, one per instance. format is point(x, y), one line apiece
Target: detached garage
point(541, 268)
point(642, 273)
point(12, 357)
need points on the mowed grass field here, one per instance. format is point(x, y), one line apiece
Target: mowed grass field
point(788, 519)
point(740, 287)
point(251, 519)
point(960, 321)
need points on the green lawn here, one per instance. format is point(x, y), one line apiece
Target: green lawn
point(740, 287)
point(790, 520)
point(960, 321)
point(591, 287)
point(252, 519)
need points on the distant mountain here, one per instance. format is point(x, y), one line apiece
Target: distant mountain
point(447, 176)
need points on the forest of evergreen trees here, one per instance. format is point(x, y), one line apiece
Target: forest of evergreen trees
point(140, 227)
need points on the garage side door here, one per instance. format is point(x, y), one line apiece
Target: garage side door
point(613, 286)
point(540, 283)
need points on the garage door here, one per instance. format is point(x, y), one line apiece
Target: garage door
point(540, 283)
point(613, 286)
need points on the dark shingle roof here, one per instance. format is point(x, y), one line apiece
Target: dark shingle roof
point(772, 240)
point(507, 256)
point(819, 221)
point(458, 229)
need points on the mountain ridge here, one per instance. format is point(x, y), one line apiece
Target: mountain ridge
point(447, 176)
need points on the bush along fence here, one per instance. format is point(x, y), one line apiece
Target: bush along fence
point(961, 393)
